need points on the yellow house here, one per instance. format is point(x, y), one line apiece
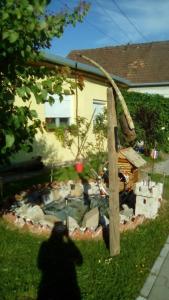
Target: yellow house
point(92, 99)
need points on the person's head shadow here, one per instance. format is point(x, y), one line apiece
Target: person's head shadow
point(56, 260)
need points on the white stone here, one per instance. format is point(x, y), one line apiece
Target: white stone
point(21, 211)
point(91, 219)
point(94, 190)
point(34, 213)
point(46, 223)
point(77, 190)
point(147, 206)
point(20, 222)
point(126, 214)
point(51, 218)
point(148, 198)
point(64, 191)
point(72, 224)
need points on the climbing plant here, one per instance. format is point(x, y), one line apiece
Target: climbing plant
point(150, 114)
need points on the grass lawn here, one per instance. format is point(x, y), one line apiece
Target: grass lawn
point(99, 276)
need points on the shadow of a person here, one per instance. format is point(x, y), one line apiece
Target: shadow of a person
point(56, 260)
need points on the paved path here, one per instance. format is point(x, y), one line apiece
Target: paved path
point(156, 286)
point(162, 167)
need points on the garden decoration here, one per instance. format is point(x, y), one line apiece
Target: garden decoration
point(79, 166)
point(154, 156)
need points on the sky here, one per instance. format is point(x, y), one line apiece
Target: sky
point(112, 23)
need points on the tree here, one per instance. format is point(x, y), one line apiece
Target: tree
point(26, 29)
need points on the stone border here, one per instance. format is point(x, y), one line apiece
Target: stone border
point(77, 234)
point(150, 281)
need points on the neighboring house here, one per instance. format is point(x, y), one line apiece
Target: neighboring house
point(145, 66)
point(92, 98)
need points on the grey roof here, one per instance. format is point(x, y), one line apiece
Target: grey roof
point(59, 60)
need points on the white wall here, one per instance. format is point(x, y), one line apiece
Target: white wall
point(46, 144)
point(161, 90)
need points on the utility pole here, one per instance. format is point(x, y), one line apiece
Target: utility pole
point(114, 230)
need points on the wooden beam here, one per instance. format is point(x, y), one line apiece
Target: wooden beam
point(114, 230)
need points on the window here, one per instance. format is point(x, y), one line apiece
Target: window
point(59, 113)
point(98, 107)
point(63, 121)
point(56, 122)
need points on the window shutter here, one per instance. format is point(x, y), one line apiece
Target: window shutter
point(59, 109)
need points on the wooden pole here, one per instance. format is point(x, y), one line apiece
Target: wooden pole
point(114, 230)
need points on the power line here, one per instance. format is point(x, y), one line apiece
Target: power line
point(93, 25)
point(103, 32)
point(111, 18)
point(128, 19)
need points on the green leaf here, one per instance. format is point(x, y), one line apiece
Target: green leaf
point(42, 24)
point(16, 122)
point(34, 113)
point(38, 98)
point(9, 139)
point(28, 90)
point(44, 94)
point(5, 35)
point(21, 92)
point(22, 53)
point(28, 48)
point(30, 8)
point(5, 16)
point(13, 36)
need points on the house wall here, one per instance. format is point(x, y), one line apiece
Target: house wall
point(46, 144)
point(161, 90)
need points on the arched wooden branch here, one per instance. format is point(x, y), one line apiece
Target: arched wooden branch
point(114, 85)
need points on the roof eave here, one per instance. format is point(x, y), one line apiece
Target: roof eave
point(149, 84)
point(56, 59)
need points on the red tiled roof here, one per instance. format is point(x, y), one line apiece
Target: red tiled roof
point(139, 63)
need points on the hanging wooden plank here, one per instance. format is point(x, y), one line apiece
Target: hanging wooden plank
point(114, 232)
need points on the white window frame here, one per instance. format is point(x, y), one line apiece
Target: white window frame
point(97, 103)
point(60, 110)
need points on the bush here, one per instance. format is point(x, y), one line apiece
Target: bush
point(150, 115)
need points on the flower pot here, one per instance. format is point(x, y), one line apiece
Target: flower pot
point(79, 166)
